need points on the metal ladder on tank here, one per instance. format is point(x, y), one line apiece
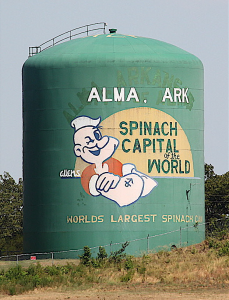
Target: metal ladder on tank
point(68, 35)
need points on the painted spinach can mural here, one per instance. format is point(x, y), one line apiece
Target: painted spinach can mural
point(113, 145)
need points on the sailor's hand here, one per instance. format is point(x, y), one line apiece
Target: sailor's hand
point(107, 181)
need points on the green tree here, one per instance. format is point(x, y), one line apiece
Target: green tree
point(11, 213)
point(86, 257)
point(216, 200)
point(209, 171)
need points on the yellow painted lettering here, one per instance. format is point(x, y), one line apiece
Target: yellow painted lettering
point(182, 218)
point(69, 219)
point(140, 218)
point(100, 219)
point(75, 219)
point(86, 220)
point(147, 218)
point(81, 219)
point(170, 217)
point(153, 217)
point(133, 75)
point(93, 219)
point(177, 218)
point(120, 219)
point(164, 218)
point(127, 218)
point(134, 218)
point(112, 219)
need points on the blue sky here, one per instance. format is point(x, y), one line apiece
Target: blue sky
point(198, 26)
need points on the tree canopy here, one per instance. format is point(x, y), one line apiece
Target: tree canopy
point(216, 198)
point(11, 213)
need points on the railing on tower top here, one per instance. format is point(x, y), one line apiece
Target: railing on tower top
point(68, 35)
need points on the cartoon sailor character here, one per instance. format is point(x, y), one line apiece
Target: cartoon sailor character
point(105, 175)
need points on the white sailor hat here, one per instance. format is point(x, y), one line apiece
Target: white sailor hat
point(84, 121)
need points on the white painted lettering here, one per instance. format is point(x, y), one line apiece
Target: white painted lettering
point(167, 95)
point(119, 96)
point(69, 173)
point(184, 95)
point(94, 95)
point(177, 94)
point(132, 94)
point(105, 99)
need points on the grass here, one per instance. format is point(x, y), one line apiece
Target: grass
point(5, 265)
point(205, 265)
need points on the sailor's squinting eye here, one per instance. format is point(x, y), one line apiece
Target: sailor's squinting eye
point(97, 134)
point(89, 140)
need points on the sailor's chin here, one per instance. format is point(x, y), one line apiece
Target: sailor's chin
point(95, 152)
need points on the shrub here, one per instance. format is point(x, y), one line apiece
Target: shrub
point(86, 257)
point(128, 263)
point(224, 249)
point(127, 277)
point(118, 255)
point(102, 253)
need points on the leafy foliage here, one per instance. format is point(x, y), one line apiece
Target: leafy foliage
point(86, 257)
point(118, 255)
point(190, 267)
point(216, 200)
point(102, 258)
point(102, 253)
point(17, 280)
point(220, 246)
point(11, 213)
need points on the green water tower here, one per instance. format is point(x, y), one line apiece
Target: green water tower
point(113, 136)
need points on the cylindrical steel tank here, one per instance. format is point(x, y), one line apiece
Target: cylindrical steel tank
point(113, 145)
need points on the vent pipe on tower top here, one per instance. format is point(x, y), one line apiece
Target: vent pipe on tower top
point(112, 30)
